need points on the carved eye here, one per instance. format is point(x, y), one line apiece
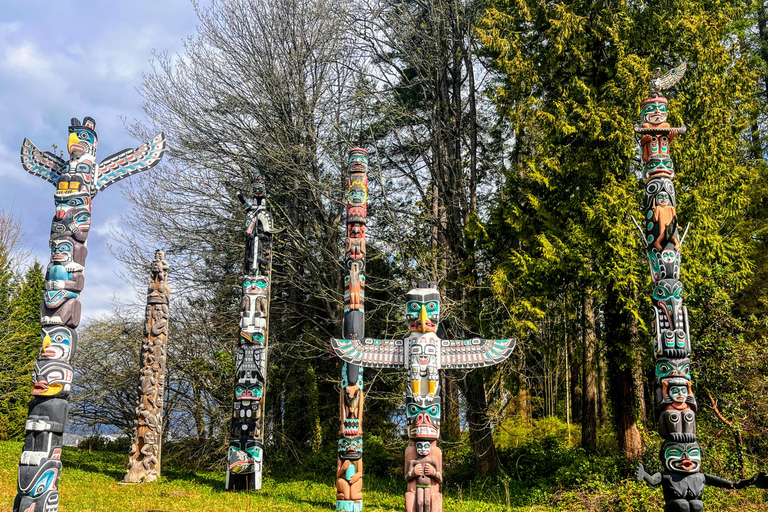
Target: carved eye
point(674, 419)
point(434, 410)
point(412, 410)
point(45, 482)
point(674, 452)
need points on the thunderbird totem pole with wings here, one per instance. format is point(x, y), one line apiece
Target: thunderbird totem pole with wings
point(423, 354)
point(77, 182)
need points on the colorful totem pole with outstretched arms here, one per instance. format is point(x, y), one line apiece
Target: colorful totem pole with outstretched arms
point(681, 478)
point(246, 445)
point(77, 181)
point(144, 460)
point(349, 465)
point(422, 355)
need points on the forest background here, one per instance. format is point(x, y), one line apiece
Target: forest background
point(503, 166)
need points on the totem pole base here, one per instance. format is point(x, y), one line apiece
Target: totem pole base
point(250, 482)
point(349, 505)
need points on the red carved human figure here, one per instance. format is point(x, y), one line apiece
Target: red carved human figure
point(424, 474)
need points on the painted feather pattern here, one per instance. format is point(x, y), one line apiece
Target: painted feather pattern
point(43, 164)
point(474, 353)
point(370, 352)
point(454, 354)
point(130, 161)
point(672, 76)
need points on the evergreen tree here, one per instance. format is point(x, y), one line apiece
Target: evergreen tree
point(21, 342)
point(571, 76)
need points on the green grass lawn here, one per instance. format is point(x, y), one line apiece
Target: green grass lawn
point(89, 483)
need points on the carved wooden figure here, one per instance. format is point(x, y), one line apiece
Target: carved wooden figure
point(681, 479)
point(246, 445)
point(144, 461)
point(422, 355)
point(77, 182)
point(349, 465)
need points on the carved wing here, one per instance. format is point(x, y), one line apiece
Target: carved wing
point(370, 353)
point(672, 76)
point(130, 161)
point(46, 165)
point(474, 353)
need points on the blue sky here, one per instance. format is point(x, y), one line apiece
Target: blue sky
point(61, 59)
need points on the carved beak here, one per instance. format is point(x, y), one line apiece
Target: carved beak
point(423, 318)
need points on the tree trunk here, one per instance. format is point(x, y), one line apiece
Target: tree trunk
point(575, 379)
point(480, 433)
point(450, 429)
point(589, 411)
point(621, 330)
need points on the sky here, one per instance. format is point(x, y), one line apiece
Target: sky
point(61, 59)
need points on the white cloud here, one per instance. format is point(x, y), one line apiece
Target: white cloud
point(25, 57)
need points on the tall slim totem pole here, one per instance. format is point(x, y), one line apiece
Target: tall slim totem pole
point(144, 461)
point(77, 181)
point(422, 355)
point(349, 464)
point(246, 444)
point(681, 479)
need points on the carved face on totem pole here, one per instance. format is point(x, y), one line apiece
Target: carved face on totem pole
point(422, 309)
point(351, 448)
point(68, 253)
point(247, 406)
point(682, 458)
point(423, 418)
point(659, 166)
point(58, 343)
point(82, 137)
point(668, 299)
point(245, 459)
point(422, 312)
point(423, 447)
point(654, 110)
point(668, 368)
point(73, 215)
point(357, 200)
point(52, 378)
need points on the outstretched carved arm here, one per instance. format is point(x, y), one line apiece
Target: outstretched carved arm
point(652, 480)
point(721, 482)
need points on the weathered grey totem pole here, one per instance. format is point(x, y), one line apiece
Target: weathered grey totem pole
point(349, 465)
point(77, 181)
point(681, 479)
point(422, 355)
point(144, 461)
point(246, 444)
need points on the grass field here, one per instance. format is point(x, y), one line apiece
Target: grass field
point(90, 484)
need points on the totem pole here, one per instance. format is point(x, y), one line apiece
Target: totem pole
point(144, 461)
point(349, 464)
point(422, 355)
point(246, 444)
point(77, 181)
point(681, 479)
